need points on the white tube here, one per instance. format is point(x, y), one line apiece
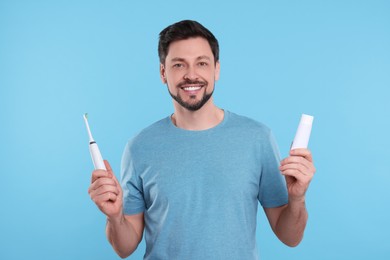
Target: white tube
point(302, 135)
point(96, 156)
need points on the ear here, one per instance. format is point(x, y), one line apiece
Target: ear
point(217, 70)
point(162, 74)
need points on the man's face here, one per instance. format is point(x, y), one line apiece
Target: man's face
point(190, 72)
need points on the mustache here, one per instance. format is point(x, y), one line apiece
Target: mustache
point(191, 82)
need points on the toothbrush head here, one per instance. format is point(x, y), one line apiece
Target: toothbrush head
point(87, 125)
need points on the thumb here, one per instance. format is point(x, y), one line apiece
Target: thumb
point(108, 168)
point(109, 171)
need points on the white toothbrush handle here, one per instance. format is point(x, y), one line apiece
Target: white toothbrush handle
point(302, 136)
point(97, 158)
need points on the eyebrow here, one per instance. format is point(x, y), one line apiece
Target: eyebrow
point(203, 57)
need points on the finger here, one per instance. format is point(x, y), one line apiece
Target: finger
point(302, 152)
point(111, 196)
point(303, 171)
point(96, 174)
point(101, 182)
point(296, 159)
point(102, 199)
point(296, 175)
point(295, 166)
point(104, 189)
point(108, 167)
point(302, 160)
point(119, 187)
point(293, 173)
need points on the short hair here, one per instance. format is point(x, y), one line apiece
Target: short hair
point(184, 30)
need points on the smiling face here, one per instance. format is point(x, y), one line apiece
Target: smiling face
point(190, 72)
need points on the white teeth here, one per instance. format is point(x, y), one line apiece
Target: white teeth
point(191, 88)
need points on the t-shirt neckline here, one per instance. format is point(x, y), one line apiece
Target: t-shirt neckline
point(182, 130)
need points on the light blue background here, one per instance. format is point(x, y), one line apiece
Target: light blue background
point(59, 59)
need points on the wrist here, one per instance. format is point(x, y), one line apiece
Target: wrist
point(296, 205)
point(298, 199)
point(115, 220)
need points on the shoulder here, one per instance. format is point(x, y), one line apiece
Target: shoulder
point(248, 125)
point(150, 135)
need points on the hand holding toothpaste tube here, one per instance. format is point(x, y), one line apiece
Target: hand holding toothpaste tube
point(298, 168)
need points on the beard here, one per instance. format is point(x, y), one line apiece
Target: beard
point(188, 105)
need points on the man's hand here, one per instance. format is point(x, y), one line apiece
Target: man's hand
point(299, 170)
point(106, 192)
point(289, 221)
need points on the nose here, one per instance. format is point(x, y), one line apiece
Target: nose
point(191, 74)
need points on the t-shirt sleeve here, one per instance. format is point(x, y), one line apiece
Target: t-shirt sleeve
point(133, 199)
point(272, 190)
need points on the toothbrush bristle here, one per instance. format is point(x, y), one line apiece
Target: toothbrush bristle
point(86, 115)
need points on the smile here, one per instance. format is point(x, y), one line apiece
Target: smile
point(192, 88)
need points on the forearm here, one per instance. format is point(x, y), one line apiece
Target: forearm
point(292, 222)
point(122, 236)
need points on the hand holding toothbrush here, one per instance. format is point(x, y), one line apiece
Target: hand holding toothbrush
point(105, 189)
point(106, 192)
point(123, 232)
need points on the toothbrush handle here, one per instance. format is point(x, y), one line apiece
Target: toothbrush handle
point(97, 158)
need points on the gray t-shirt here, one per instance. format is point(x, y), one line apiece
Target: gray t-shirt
point(199, 190)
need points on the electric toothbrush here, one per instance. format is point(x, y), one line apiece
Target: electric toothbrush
point(96, 156)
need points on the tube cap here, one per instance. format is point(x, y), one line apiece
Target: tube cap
point(307, 119)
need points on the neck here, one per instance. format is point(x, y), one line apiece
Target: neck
point(206, 117)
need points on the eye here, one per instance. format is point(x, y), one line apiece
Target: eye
point(178, 65)
point(203, 64)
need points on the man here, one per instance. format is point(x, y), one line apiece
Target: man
point(193, 181)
